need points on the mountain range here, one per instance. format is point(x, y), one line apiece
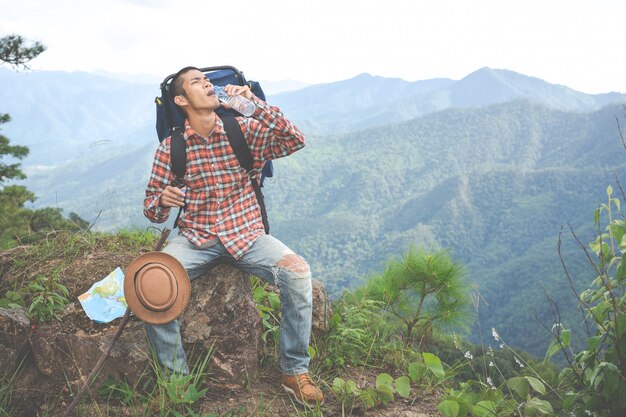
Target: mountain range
point(489, 167)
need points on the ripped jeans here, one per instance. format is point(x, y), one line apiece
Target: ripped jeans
point(268, 259)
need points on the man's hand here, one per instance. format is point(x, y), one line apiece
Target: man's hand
point(238, 90)
point(172, 197)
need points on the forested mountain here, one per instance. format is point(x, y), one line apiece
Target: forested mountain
point(493, 183)
point(367, 101)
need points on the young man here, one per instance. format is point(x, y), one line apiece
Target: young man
point(222, 221)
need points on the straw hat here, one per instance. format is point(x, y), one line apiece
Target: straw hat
point(156, 287)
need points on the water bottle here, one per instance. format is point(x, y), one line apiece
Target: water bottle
point(238, 103)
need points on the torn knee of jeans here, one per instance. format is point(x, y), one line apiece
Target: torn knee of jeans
point(295, 264)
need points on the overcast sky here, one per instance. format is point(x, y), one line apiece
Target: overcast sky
point(578, 43)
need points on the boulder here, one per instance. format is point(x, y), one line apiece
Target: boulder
point(64, 352)
point(223, 317)
point(14, 331)
point(322, 309)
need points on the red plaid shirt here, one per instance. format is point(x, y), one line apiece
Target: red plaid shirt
point(219, 195)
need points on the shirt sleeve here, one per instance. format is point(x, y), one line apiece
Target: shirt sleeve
point(270, 134)
point(160, 176)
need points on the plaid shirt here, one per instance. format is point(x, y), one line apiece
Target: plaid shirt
point(220, 200)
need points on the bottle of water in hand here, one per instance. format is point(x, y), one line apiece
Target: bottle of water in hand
point(238, 103)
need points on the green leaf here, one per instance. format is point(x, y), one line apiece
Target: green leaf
point(596, 216)
point(593, 342)
point(537, 406)
point(553, 349)
point(386, 393)
point(274, 300)
point(416, 371)
point(384, 380)
point(617, 203)
point(612, 382)
point(536, 384)
point(434, 365)
point(484, 408)
point(449, 408)
point(368, 399)
point(566, 336)
point(403, 386)
point(520, 386)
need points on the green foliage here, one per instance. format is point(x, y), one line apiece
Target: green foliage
point(49, 298)
point(11, 171)
point(16, 51)
point(423, 290)
point(595, 378)
point(268, 305)
point(19, 224)
point(353, 332)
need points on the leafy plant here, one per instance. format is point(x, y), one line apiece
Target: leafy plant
point(595, 378)
point(423, 290)
point(268, 305)
point(49, 298)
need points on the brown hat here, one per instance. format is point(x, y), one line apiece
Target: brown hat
point(156, 287)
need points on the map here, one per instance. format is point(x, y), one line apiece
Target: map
point(104, 301)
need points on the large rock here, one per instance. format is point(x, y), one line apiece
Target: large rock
point(222, 317)
point(14, 330)
point(62, 351)
point(322, 309)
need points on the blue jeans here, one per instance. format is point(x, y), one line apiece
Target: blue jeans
point(268, 259)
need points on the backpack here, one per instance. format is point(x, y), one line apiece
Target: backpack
point(170, 120)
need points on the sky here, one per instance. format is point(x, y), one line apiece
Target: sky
point(577, 43)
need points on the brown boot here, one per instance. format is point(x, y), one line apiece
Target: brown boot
point(303, 389)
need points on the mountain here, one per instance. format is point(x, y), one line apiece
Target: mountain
point(368, 101)
point(63, 116)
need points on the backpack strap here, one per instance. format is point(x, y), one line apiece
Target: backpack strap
point(178, 162)
point(244, 156)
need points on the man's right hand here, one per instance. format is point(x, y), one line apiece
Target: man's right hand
point(172, 197)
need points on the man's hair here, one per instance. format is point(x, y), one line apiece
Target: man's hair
point(176, 86)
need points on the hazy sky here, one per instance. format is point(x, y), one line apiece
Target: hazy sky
point(577, 43)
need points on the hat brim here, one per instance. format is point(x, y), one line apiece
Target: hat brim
point(164, 263)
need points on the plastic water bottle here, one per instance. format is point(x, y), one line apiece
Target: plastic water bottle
point(238, 103)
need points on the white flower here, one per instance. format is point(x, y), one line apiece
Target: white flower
point(468, 355)
point(491, 364)
point(495, 334)
point(521, 365)
point(490, 383)
point(490, 351)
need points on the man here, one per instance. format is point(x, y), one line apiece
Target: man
point(222, 221)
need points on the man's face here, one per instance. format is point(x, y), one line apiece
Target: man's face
point(199, 90)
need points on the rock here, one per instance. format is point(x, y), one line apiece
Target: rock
point(14, 330)
point(222, 316)
point(322, 309)
point(62, 354)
